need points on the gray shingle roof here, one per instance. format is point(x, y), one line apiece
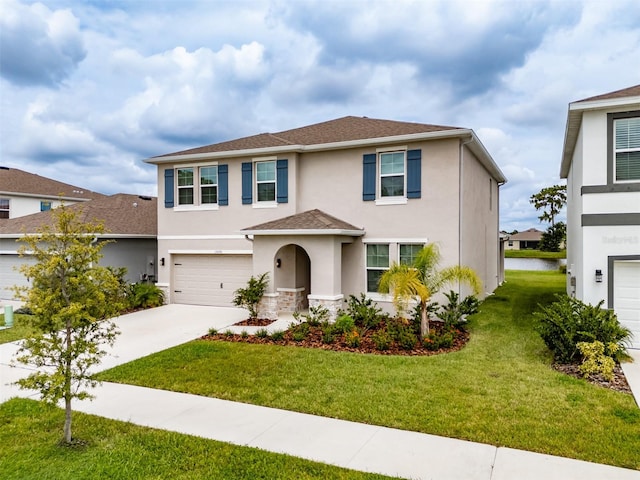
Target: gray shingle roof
point(13, 180)
point(122, 215)
point(339, 130)
point(309, 220)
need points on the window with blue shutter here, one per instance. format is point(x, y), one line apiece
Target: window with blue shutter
point(247, 183)
point(414, 173)
point(168, 188)
point(282, 179)
point(369, 176)
point(223, 185)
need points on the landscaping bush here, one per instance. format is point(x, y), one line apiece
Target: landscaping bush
point(455, 312)
point(344, 324)
point(595, 362)
point(145, 295)
point(352, 339)
point(364, 311)
point(568, 321)
point(250, 296)
point(382, 340)
point(262, 333)
point(317, 315)
point(437, 340)
point(277, 335)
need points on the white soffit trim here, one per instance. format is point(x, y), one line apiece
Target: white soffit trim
point(348, 233)
point(210, 252)
point(201, 237)
point(395, 240)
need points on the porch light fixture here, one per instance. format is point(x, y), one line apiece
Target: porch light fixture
point(598, 276)
point(278, 263)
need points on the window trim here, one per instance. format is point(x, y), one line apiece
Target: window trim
point(256, 182)
point(7, 209)
point(197, 188)
point(612, 184)
point(393, 245)
point(368, 268)
point(391, 198)
point(622, 150)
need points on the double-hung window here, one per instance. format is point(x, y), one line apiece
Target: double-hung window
point(4, 208)
point(185, 186)
point(266, 181)
point(409, 252)
point(627, 149)
point(209, 185)
point(392, 177)
point(377, 264)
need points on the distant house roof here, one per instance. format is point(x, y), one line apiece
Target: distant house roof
point(345, 132)
point(123, 215)
point(311, 222)
point(530, 235)
point(18, 182)
point(619, 98)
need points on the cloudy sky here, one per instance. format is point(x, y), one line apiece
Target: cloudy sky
point(88, 89)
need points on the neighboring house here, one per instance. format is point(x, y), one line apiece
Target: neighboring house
point(324, 209)
point(129, 220)
point(23, 193)
point(527, 240)
point(601, 162)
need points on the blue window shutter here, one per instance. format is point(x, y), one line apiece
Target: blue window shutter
point(223, 185)
point(168, 188)
point(247, 183)
point(369, 176)
point(414, 173)
point(282, 180)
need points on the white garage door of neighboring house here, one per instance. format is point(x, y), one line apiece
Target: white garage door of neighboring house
point(626, 297)
point(11, 276)
point(209, 279)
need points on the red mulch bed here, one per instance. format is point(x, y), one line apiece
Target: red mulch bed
point(619, 382)
point(367, 345)
point(254, 322)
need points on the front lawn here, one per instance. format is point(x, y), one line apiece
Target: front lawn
point(534, 254)
point(499, 389)
point(30, 431)
point(19, 330)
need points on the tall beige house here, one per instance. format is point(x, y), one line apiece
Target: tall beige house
point(324, 209)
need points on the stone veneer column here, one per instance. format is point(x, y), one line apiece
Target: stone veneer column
point(268, 306)
point(332, 303)
point(290, 299)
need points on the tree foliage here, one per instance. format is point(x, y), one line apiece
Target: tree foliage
point(422, 280)
point(250, 296)
point(552, 239)
point(550, 200)
point(72, 299)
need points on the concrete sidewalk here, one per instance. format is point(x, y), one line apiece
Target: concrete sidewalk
point(348, 444)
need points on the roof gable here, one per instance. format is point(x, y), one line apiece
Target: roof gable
point(306, 222)
point(15, 181)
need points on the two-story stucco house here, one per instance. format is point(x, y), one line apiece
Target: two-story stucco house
point(324, 209)
point(601, 162)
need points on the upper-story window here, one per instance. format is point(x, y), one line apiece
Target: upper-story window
point(392, 174)
point(266, 181)
point(627, 149)
point(206, 183)
point(45, 206)
point(4, 208)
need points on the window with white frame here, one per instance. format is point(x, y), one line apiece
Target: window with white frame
point(266, 181)
point(4, 208)
point(209, 185)
point(197, 185)
point(392, 174)
point(377, 264)
point(408, 252)
point(627, 149)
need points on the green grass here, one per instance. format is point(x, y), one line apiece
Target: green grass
point(30, 432)
point(534, 254)
point(18, 331)
point(500, 389)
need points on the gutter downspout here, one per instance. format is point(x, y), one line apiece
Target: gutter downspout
point(461, 199)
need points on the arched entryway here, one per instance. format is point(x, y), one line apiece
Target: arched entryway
point(292, 278)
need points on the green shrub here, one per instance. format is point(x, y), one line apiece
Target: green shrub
point(244, 334)
point(145, 295)
point(212, 331)
point(568, 321)
point(595, 361)
point(299, 332)
point(403, 333)
point(277, 335)
point(437, 340)
point(382, 339)
point(250, 296)
point(456, 311)
point(364, 311)
point(262, 333)
point(317, 315)
point(344, 324)
point(328, 335)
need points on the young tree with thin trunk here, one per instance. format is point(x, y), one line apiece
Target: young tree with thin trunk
point(551, 200)
point(422, 280)
point(73, 300)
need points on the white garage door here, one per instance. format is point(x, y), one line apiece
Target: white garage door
point(626, 297)
point(209, 279)
point(10, 276)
